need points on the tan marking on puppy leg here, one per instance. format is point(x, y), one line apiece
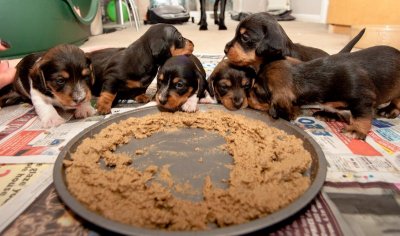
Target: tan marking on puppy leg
point(280, 84)
point(104, 102)
point(358, 127)
point(142, 98)
point(255, 103)
point(133, 84)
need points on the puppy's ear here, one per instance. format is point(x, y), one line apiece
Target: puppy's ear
point(210, 81)
point(38, 76)
point(202, 84)
point(157, 47)
point(273, 43)
point(91, 68)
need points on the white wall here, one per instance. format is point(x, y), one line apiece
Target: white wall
point(303, 10)
point(310, 10)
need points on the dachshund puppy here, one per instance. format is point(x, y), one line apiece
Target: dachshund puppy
point(230, 84)
point(61, 77)
point(359, 82)
point(125, 73)
point(181, 83)
point(259, 97)
point(218, 20)
point(260, 39)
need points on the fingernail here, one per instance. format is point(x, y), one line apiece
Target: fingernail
point(5, 44)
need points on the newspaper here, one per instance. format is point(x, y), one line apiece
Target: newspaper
point(20, 185)
point(377, 159)
point(23, 140)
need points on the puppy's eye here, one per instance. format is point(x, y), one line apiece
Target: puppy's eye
point(179, 85)
point(224, 87)
point(247, 85)
point(245, 38)
point(87, 79)
point(60, 81)
point(180, 38)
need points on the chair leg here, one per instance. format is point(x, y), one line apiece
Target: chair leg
point(135, 14)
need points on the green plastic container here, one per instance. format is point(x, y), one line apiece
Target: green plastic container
point(37, 25)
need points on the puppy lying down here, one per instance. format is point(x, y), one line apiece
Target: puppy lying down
point(357, 82)
point(61, 77)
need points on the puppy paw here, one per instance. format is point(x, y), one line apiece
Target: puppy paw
point(358, 129)
point(142, 98)
point(190, 106)
point(208, 99)
point(353, 134)
point(51, 121)
point(389, 112)
point(103, 109)
point(104, 103)
point(85, 110)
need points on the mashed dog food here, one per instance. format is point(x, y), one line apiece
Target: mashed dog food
point(266, 175)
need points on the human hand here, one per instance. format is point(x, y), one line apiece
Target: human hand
point(6, 73)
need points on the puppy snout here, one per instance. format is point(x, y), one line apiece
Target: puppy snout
point(78, 94)
point(227, 46)
point(238, 102)
point(162, 99)
point(78, 99)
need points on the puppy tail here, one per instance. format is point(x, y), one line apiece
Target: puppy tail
point(352, 42)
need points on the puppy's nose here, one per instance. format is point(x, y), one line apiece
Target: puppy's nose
point(238, 102)
point(78, 99)
point(227, 46)
point(162, 100)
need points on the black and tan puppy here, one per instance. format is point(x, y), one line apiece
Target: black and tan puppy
point(181, 83)
point(60, 77)
point(260, 39)
point(230, 84)
point(358, 82)
point(125, 73)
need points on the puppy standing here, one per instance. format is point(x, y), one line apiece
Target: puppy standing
point(181, 83)
point(125, 73)
point(358, 82)
point(60, 77)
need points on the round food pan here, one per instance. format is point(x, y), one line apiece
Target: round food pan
point(317, 173)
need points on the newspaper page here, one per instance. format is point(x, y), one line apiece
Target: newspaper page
point(377, 159)
point(23, 140)
point(20, 185)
